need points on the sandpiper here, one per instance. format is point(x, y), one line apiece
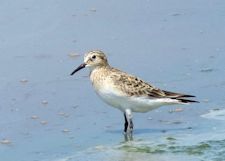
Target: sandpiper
point(126, 92)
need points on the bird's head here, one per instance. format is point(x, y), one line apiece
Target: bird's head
point(93, 59)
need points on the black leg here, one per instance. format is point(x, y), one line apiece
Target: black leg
point(126, 123)
point(131, 124)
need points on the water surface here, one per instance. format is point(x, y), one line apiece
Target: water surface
point(47, 115)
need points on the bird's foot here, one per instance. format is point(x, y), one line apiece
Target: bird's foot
point(128, 135)
point(128, 128)
point(128, 125)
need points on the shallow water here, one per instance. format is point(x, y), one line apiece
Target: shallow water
point(47, 115)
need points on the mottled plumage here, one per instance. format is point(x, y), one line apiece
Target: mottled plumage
point(125, 91)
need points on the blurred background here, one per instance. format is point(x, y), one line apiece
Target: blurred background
point(47, 115)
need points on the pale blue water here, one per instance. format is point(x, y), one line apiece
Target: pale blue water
point(47, 115)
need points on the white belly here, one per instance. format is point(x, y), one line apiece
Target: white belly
point(136, 104)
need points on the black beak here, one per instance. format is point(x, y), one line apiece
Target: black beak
point(78, 68)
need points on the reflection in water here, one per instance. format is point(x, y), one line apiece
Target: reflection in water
point(128, 137)
point(137, 151)
point(169, 147)
point(215, 114)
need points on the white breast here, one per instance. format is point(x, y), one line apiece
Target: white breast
point(136, 104)
point(116, 98)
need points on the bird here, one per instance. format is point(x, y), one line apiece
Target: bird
point(127, 92)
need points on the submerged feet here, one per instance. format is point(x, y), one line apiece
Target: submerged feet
point(128, 125)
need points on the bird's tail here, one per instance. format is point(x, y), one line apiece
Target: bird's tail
point(185, 101)
point(180, 97)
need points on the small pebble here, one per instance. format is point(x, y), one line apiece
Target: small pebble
point(44, 122)
point(23, 81)
point(179, 110)
point(176, 122)
point(5, 141)
point(176, 110)
point(211, 56)
point(206, 70)
point(201, 31)
point(85, 76)
point(63, 114)
point(176, 14)
point(14, 109)
point(149, 118)
point(44, 102)
point(184, 48)
point(170, 138)
point(215, 109)
point(65, 130)
point(73, 55)
point(34, 117)
point(205, 100)
point(109, 126)
point(163, 121)
point(93, 10)
point(74, 107)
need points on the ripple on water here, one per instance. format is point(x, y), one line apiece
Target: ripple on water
point(217, 114)
point(148, 151)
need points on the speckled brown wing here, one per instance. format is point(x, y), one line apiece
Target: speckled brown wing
point(134, 86)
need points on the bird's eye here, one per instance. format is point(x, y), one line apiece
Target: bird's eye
point(94, 56)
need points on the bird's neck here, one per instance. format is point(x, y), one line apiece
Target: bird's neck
point(99, 73)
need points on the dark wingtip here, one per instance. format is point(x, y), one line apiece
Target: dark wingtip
point(187, 101)
point(186, 95)
point(176, 95)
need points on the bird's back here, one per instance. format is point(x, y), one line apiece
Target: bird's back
point(122, 90)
